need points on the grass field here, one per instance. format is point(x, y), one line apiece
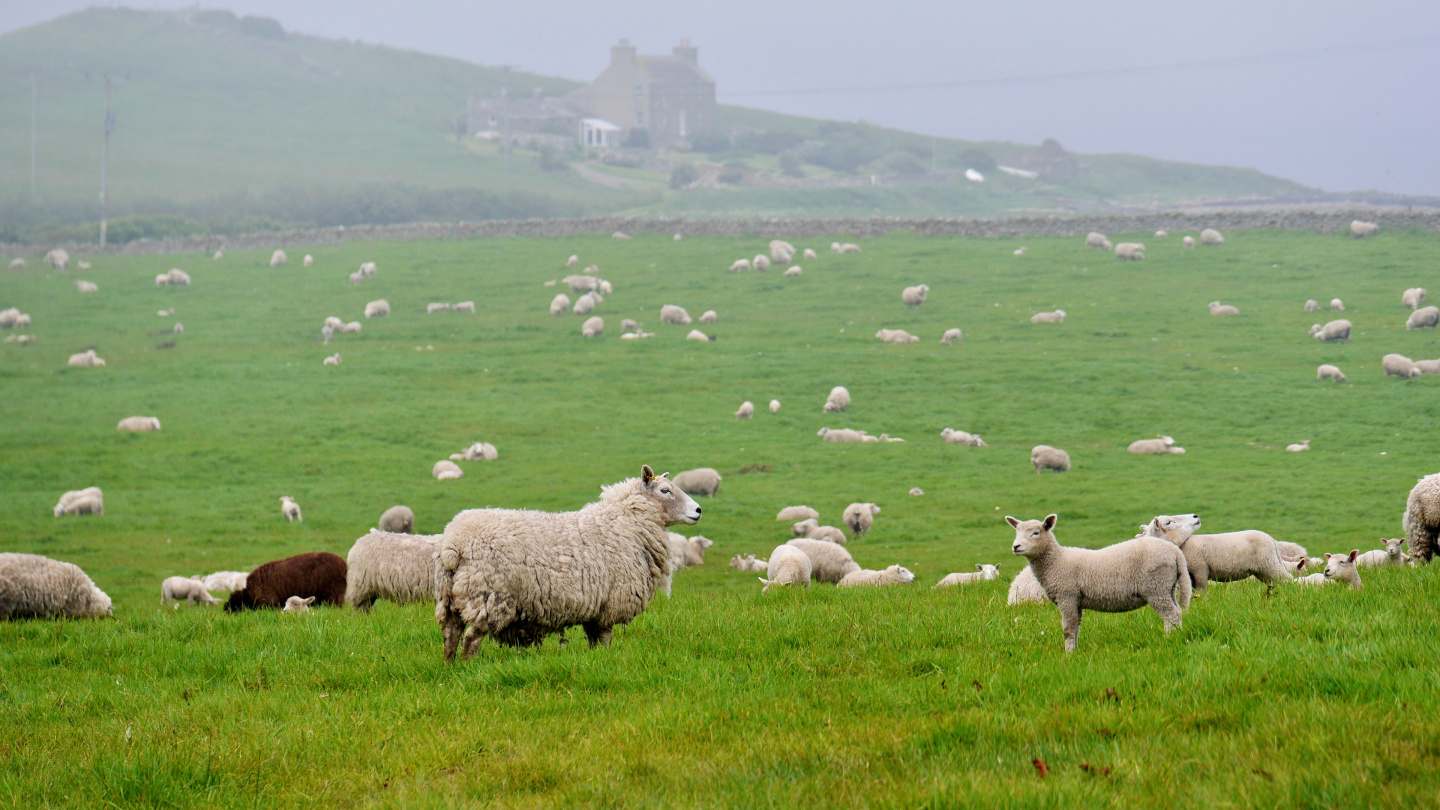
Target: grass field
point(719, 696)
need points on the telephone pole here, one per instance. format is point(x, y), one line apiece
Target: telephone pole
point(105, 162)
point(34, 96)
point(505, 112)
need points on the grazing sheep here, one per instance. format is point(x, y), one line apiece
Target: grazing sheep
point(1097, 240)
point(518, 576)
point(1428, 366)
point(628, 325)
point(445, 470)
point(333, 322)
point(317, 574)
point(572, 261)
point(850, 247)
point(1115, 579)
point(392, 565)
point(809, 254)
point(1227, 557)
point(1425, 318)
point(1298, 448)
point(794, 513)
point(581, 284)
point(464, 306)
point(357, 277)
point(593, 327)
point(1412, 297)
point(787, 565)
point(277, 258)
point(761, 263)
point(914, 296)
point(1045, 457)
point(775, 405)
point(896, 336)
point(229, 581)
point(748, 563)
point(92, 495)
point(696, 334)
point(57, 258)
point(672, 314)
point(378, 308)
point(1025, 589)
point(9, 317)
point(139, 424)
point(559, 304)
point(739, 265)
point(1334, 330)
point(703, 481)
point(584, 305)
point(86, 286)
point(178, 277)
point(1341, 568)
point(297, 605)
point(952, 337)
point(35, 587)
point(835, 248)
point(829, 562)
point(793, 271)
point(745, 411)
point(85, 359)
point(1312, 305)
point(1058, 316)
point(858, 518)
point(1217, 308)
point(844, 435)
point(1161, 234)
point(1130, 251)
point(17, 264)
point(894, 575)
point(367, 269)
point(1398, 365)
point(781, 251)
point(308, 260)
point(916, 491)
point(351, 328)
point(431, 309)
point(397, 520)
point(191, 590)
point(479, 451)
point(1336, 305)
point(709, 316)
point(982, 573)
point(811, 528)
point(290, 509)
point(1188, 241)
point(1422, 518)
point(1329, 372)
point(838, 400)
point(1155, 447)
point(1359, 229)
point(1392, 554)
point(1210, 236)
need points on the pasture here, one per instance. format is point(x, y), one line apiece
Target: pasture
point(719, 696)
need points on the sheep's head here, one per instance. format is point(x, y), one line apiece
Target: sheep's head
point(1342, 566)
point(677, 506)
point(901, 573)
point(1175, 528)
point(1314, 330)
point(100, 604)
point(804, 527)
point(988, 571)
point(1032, 537)
point(1395, 547)
point(297, 605)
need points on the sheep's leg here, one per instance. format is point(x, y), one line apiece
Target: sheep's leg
point(453, 627)
point(597, 634)
point(473, 636)
point(1169, 610)
point(362, 604)
point(1070, 621)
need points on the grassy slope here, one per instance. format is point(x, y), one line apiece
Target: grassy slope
point(720, 696)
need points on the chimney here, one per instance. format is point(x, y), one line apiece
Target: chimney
point(622, 54)
point(687, 52)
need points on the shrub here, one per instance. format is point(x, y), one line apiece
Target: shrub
point(768, 143)
point(683, 175)
point(550, 160)
point(709, 142)
point(637, 138)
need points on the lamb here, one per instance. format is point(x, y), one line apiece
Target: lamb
point(605, 288)
point(809, 254)
point(1334, 330)
point(86, 286)
point(85, 359)
point(297, 605)
point(709, 316)
point(332, 360)
point(774, 406)
point(1217, 308)
point(519, 575)
point(432, 308)
point(333, 322)
point(367, 269)
point(326, 333)
point(17, 264)
point(829, 562)
point(838, 400)
point(917, 491)
point(793, 271)
point(290, 509)
point(696, 334)
point(1341, 568)
point(357, 277)
point(35, 587)
point(559, 304)
point(1360, 229)
point(1020, 251)
point(74, 496)
point(686, 552)
point(739, 265)
point(703, 481)
point(397, 520)
point(952, 337)
point(584, 305)
point(192, 591)
point(1425, 318)
point(787, 565)
point(1045, 457)
point(746, 410)
point(983, 573)
point(317, 574)
point(229, 581)
point(1130, 251)
point(1097, 240)
point(1188, 241)
point(952, 436)
point(351, 328)
point(1336, 305)
point(572, 261)
point(378, 308)
point(308, 260)
point(761, 263)
point(628, 325)
point(811, 528)
point(479, 451)
point(1298, 448)
point(1329, 372)
point(843, 435)
point(1058, 316)
point(397, 566)
point(277, 259)
point(1115, 579)
point(781, 251)
point(835, 248)
point(1155, 447)
point(57, 258)
point(1428, 366)
point(748, 563)
point(1398, 365)
point(794, 513)
point(593, 327)
point(1412, 297)
point(1227, 557)
point(445, 470)
point(896, 336)
point(1422, 518)
point(914, 296)
point(1026, 589)
point(139, 424)
point(1210, 236)
point(1288, 550)
point(1312, 305)
point(1392, 554)
point(894, 575)
point(858, 518)
point(672, 314)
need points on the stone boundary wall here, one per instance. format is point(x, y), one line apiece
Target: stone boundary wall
point(1176, 222)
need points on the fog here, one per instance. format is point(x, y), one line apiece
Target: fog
point(1332, 94)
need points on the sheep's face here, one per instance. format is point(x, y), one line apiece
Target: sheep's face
point(900, 573)
point(677, 506)
point(988, 572)
point(100, 604)
point(1395, 547)
point(1341, 566)
point(1175, 528)
point(297, 605)
point(804, 527)
point(1032, 537)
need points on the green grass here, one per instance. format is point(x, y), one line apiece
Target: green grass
point(720, 696)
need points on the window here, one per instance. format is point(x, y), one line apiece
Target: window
point(639, 118)
point(492, 121)
point(639, 91)
point(682, 123)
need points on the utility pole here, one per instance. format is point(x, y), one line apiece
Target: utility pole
point(932, 154)
point(505, 112)
point(34, 95)
point(105, 161)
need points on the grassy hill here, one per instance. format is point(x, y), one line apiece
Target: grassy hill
point(719, 695)
point(233, 123)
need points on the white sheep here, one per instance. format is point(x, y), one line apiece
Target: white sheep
point(1210, 236)
point(572, 261)
point(952, 337)
point(709, 316)
point(746, 410)
point(1329, 372)
point(917, 491)
point(57, 258)
point(70, 498)
point(367, 269)
point(592, 270)
point(1045, 457)
point(952, 436)
point(629, 325)
point(1025, 589)
point(351, 328)
point(397, 520)
point(787, 565)
point(809, 254)
point(1341, 568)
point(464, 306)
point(17, 264)
point(703, 481)
point(178, 277)
point(1298, 448)
point(774, 406)
point(1312, 305)
point(1334, 330)
point(896, 336)
point(290, 510)
point(1336, 305)
point(1188, 241)
point(1412, 297)
point(858, 518)
point(1217, 308)
point(138, 424)
point(1130, 251)
point(326, 333)
point(1423, 318)
point(1392, 554)
point(1155, 447)
point(584, 305)
point(982, 573)
point(636, 335)
point(229, 581)
point(295, 604)
point(35, 587)
point(914, 296)
point(844, 435)
point(850, 247)
point(696, 334)
point(332, 360)
point(748, 563)
point(1097, 240)
point(378, 308)
point(1115, 579)
point(838, 400)
point(390, 565)
point(794, 513)
point(781, 251)
point(333, 322)
point(894, 575)
point(479, 451)
point(1428, 366)
point(559, 304)
point(86, 286)
point(593, 327)
point(357, 277)
point(85, 359)
point(672, 314)
point(810, 528)
point(191, 590)
point(1398, 365)
point(605, 288)
point(1287, 549)
point(308, 260)
point(432, 308)
point(277, 258)
point(581, 284)
point(686, 552)
point(1161, 234)
point(739, 265)
point(1359, 229)
point(1422, 518)
point(835, 248)
point(1058, 316)
point(1020, 251)
point(1226, 557)
point(9, 317)
point(829, 562)
point(793, 271)
point(445, 470)
point(761, 263)
point(219, 254)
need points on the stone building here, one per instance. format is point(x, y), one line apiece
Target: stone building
point(669, 96)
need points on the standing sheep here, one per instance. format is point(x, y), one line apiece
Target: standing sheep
point(397, 520)
point(838, 400)
point(1422, 518)
point(1329, 372)
point(1155, 447)
point(57, 258)
point(952, 337)
point(810, 528)
point(787, 565)
point(894, 575)
point(584, 305)
point(745, 411)
point(35, 587)
point(1360, 229)
point(709, 316)
point(581, 284)
point(593, 327)
point(191, 590)
point(1097, 240)
point(774, 406)
point(914, 296)
point(308, 260)
point(761, 263)
point(1398, 365)
point(1188, 241)
point(434, 307)
point(739, 265)
point(572, 261)
point(952, 436)
point(1334, 330)
point(278, 258)
point(982, 573)
point(1227, 557)
point(1130, 251)
point(1312, 305)
point(559, 304)
point(1210, 236)
point(672, 314)
point(316, 573)
point(1336, 305)
point(1412, 297)
point(397, 566)
point(138, 424)
point(858, 518)
point(1424, 318)
point(793, 271)
point(1045, 457)
point(704, 481)
point(1161, 234)
point(70, 498)
point(378, 308)
point(781, 251)
point(290, 510)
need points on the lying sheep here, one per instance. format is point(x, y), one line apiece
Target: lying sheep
point(787, 565)
point(1155, 447)
point(1424, 318)
point(35, 587)
point(952, 337)
point(445, 470)
point(696, 334)
point(69, 499)
point(917, 491)
point(636, 335)
point(584, 305)
point(1130, 251)
point(1045, 457)
point(844, 435)
point(687, 552)
point(593, 327)
point(1058, 316)
point(290, 510)
point(1336, 305)
point(378, 308)
point(952, 436)
point(1412, 297)
point(397, 520)
point(1298, 448)
point(85, 359)
point(838, 400)
point(745, 411)
point(1392, 554)
point(434, 307)
point(709, 316)
point(82, 265)
point(1020, 251)
point(1210, 236)
point(1026, 589)
point(914, 296)
point(397, 566)
point(315, 575)
point(278, 258)
point(894, 575)
point(1341, 568)
point(479, 451)
point(858, 518)
point(1188, 241)
point(775, 405)
point(1217, 308)
point(748, 563)
point(1398, 365)
point(1288, 550)
point(297, 605)
point(1312, 305)
point(982, 573)
point(674, 315)
point(228, 581)
point(1334, 330)
point(896, 336)
point(581, 284)
point(1097, 240)
point(86, 286)
point(139, 424)
point(829, 562)
point(810, 528)
point(795, 513)
point(1422, 518)
point(332, 360)
point(1227, 557)
point(17, 264)
point(1114, 579)
point(739, 265)
point(1360, 229)
point(357, 277)
point(703, 481)
point(1329, 372)
point(176, 588)
point(559, 304)
point(793, 271)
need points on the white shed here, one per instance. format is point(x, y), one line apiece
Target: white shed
point(598, 132)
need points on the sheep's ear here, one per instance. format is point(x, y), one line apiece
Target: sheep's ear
point(979, 567)
point(1012, 521)
point(1050, 521)
point(646, 474)
point(1353, 553)
point(1327, 555)
point(309, 601)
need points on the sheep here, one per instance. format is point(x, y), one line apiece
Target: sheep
point(592, 270)
point(278, 258)
point(605, 288)
point(1329, 372)
point(952, 337)
point(739, 265)
point(835, 248)
point(838, 400)
point(1392, 554)
point(397, 520)
point(809, 254)
point(843, 435)
point(1422, 518)
point(479, 451)
point(317, 574)
point(333, 322)
point(1058, 316)
point(332, 360)
point(9, 317)
point(686, 552)
point(584, 305)
point(917, 491)
point(1025, 589)
point(850, 247)
point(1287, 549)
point(761, 263)
point(432, 308)
point(1210, 236)
point(178, 277)
point(1115, 579)
point(593, 327)
point(621, 235)
point(581, 284)
point(829, 562)
point(1312, 580)
point(445, 470)
point(748, 563)
point(1161, 234)
point(219, 254)
point(1428, 366)
point(1188, 241)
point(229, 581)
point(696, 334)
point(1336, 305)
point(794, 513)
point(596, 296)
point(57, 258)
point(357, 277)
point(1020, 251)
point(519, 575)
point(85, 359)
point(629, 325)
point(775, 405)
point(1298, 448)
point(709, 316)
point(326, 333)
point(914, 296)
point(810, 528)
point(290, 510)
point(307, 261)
point(1424, 318)
point(781, 251)
point(165, 313)
point(35, 587)
point(17, 264)
point(393, 565)
point(572, 261)
point(787, 565)
point(86, 286)
point(793, 271)
point(1412, 297)
point(138, 424)
point(1130, 251)
point(297, 605)
point(1398, 365)
point(952, 436)
point(351, 328)
point(896, 336)
point(1097, 240)
point(1045, 457)
point(636, 335)
point(1334, 330)
point(1217, 308)
point(378, 308)
point(559, 304)
point(93, 495)
point(982, 573)
point(894, 575)
point(703, 481)
point(1155, 447)
point(1227, 557)
point(82, 265)
point(746, 410)
point(674, 315)
point(192, 591)
point(1312, 305)
point(1341, 568)
point(1360, 229)
point(858, 518)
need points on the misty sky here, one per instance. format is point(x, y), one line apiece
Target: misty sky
point(1362, 114)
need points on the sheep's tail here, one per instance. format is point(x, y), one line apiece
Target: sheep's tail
point(1183, 588)
point(446, 560)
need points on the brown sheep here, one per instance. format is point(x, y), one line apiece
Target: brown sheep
point(316, 573)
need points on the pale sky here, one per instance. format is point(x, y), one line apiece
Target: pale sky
point(1335, 94)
